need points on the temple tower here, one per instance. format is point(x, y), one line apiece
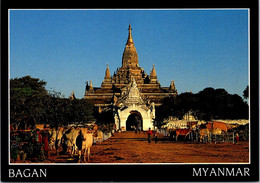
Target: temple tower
point(107, 82)
point(130, 58)
point(153, 76)
point(130, 65)
point(129, 92)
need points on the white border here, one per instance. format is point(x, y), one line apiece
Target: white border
point(191, 9)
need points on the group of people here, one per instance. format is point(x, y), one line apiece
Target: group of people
point(34, 144)
point(151, 133)
point(29, 144)
point(137, 130)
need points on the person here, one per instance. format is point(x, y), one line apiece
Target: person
point(155, 137)
point(237, 137)
point(45, 140)
point(38, 142)
point(149, 135)
point(14, 152)
point(38, 137)
point(79, 142)
point(64, 142)
point(135, 130)
point(56, 140)
point(33, 135)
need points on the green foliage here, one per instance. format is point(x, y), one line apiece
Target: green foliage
point(105, 117)
point(25, 94)
point(245, 93)
point(79, 110)
point(219, 104)
point(206, 105)
point(29, 98)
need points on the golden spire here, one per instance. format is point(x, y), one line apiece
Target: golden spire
point(107, 75)
point(153, 72)
point(130, 58)
point(172, 86)
point(90, 85)
point(130, 41)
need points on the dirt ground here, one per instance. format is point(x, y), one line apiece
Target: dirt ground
point(128, 147)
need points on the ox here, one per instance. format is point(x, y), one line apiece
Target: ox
point(98, 136)
point(232, 127)
point(183, 132)
point(87, 143)
point(216, 131)
point(71, 138)
point(55, 137)
point(204, 133)
point(220, 125)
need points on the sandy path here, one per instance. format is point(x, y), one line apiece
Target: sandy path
point(128, 147)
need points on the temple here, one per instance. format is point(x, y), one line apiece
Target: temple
point(130, 87)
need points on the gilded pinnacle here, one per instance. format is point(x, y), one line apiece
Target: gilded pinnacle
point(130, 39)
point(107, 74)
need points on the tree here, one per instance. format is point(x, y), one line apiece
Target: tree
point(238, 109)
point(25, 94)
point(166, 109)
point(30, 100)
point(55, 108)
point(206, 105)
point(63, 111)
point(211, 103)
point(219, 104)
point(80, 110)
point(184, 103)
point(104, 117)
point(245, 93)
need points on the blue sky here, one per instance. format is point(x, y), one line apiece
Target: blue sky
point(195, 48)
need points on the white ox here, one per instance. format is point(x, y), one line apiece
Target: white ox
point(204, 133)
point(55, 137)
point(86, 144)
point(216, 131)
point(71, 140)
point(98, 136)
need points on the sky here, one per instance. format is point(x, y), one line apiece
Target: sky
point(195, 48)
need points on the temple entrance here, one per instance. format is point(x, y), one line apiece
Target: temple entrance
point(134, 120)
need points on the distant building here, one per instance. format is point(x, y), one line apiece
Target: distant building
point(175, 123)
point(130, 92)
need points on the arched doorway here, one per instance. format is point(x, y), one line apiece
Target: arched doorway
point(134, 120)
